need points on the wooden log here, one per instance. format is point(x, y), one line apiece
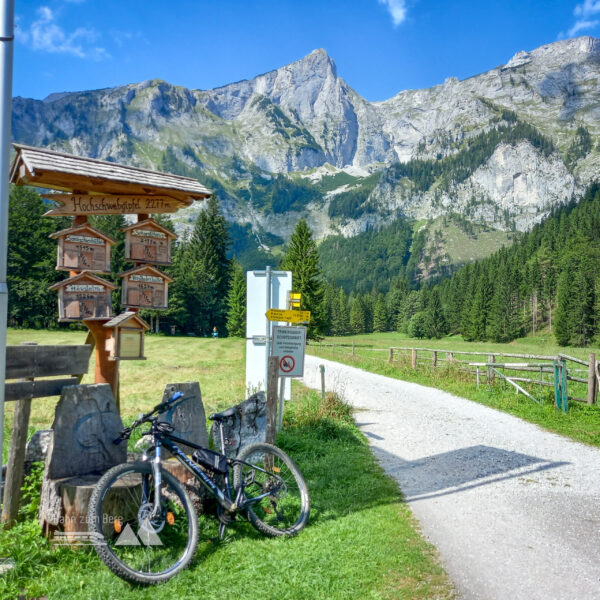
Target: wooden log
point(578, 379)
point(43, 388)
point(592, 391)
point(16, 463)
point(571, 358)
point(44, 361)
point(16, 459)
point(273, 372)
point(413, 361)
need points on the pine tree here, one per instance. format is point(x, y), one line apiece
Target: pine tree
point(357, 316)
point(302, 259)
point(435, 320)
point(236, 302)
point(342, 315)
point(380, 315)
point(202, 273)
point(31, 260)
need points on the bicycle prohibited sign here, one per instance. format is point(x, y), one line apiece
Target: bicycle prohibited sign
point(287, 363)
point(289, 344)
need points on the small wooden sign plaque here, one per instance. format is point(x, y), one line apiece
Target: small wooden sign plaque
point(83, 248)
point(84, 296)
point(125, 204)
point(127, 337)
point(145, 287)
point(148, 242)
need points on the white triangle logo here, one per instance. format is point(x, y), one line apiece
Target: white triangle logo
point(147, 534)
point(127, 538)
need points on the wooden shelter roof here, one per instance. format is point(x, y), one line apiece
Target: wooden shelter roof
point(66, 172)
point(119, 320)
point(150, 269)
point(150, 223)
point(83, 227)
point(86, 275)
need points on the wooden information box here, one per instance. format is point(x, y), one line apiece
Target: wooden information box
point(83, 248)
point(84, 296)
point(148, 242)
point(127, 337)
point(145, 287)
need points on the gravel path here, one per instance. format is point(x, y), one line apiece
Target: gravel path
point(513, 510)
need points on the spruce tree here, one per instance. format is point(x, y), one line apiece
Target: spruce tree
point(380, 315)
point(236, 302)
point(342, 315)
point(302, 259)
point(435, 320)
point(357, 316)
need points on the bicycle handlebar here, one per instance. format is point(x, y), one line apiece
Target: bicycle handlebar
point(126, 433)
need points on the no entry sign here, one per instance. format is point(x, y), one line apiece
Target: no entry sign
point(289, 344)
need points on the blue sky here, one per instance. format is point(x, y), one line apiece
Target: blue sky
point(381, 47)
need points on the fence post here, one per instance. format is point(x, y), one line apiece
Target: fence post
point(434, 359)
point(414, 358)
point(352, 347)
point(592, 391)
point(272, 374)
point(16, 458)
point(449, 356)
point(391, 356)
point(322, 369)
point(490, 371)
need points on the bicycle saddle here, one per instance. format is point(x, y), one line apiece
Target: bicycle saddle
point(230, 412)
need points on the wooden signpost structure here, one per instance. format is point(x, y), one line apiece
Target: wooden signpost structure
point(82, 187)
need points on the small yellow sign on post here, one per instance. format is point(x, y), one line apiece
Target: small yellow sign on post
point(288, 316)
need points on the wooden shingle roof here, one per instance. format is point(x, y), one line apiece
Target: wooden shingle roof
point(66, 172)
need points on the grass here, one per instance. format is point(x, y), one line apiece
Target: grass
point(581, 423)
point(361, 540)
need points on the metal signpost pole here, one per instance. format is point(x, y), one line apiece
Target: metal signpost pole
point(7, 14)
point(268, 331)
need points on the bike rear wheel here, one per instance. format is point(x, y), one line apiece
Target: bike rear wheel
point(136, 542)
point(275, 493)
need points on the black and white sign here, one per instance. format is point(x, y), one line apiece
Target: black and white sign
point(289, 344)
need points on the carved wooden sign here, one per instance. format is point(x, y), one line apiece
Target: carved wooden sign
point(145, 287)
point(148, 242)
point(84, 296)
point(83, 248)
point(127, 337)
point(92, 204)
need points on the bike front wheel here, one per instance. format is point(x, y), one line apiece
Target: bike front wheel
point(137, 540)
point(275, 494)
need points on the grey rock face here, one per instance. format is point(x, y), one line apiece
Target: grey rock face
point(304, 116)
point(247, 426)
point(85, 424)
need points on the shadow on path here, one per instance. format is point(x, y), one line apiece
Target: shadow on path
point(459, 470)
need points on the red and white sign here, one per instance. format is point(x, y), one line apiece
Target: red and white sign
point(289, 344)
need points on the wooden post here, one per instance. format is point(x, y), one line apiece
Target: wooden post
point(477, 377)
point(449, 357)
point(490, 371)
point(352, 347)
point(322, 369)
point(592, 391)
point(414, 358)
point(16, 458)
point(391, 356)
point(434, 359)
point(107, 371)
point(273, 372)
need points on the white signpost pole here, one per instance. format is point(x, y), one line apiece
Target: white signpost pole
point(258, 331)
point(7, 14)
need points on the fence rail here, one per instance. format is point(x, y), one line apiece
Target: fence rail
point(553, 365)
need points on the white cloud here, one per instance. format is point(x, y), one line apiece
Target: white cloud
point(585, 13)
point(397, 9)
point(46, 35)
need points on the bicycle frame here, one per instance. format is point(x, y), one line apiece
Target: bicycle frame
point(169, 441)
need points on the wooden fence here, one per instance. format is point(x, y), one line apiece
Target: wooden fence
point(583, 372)
point(27, 363)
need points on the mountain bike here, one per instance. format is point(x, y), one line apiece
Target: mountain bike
point(143, 522)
